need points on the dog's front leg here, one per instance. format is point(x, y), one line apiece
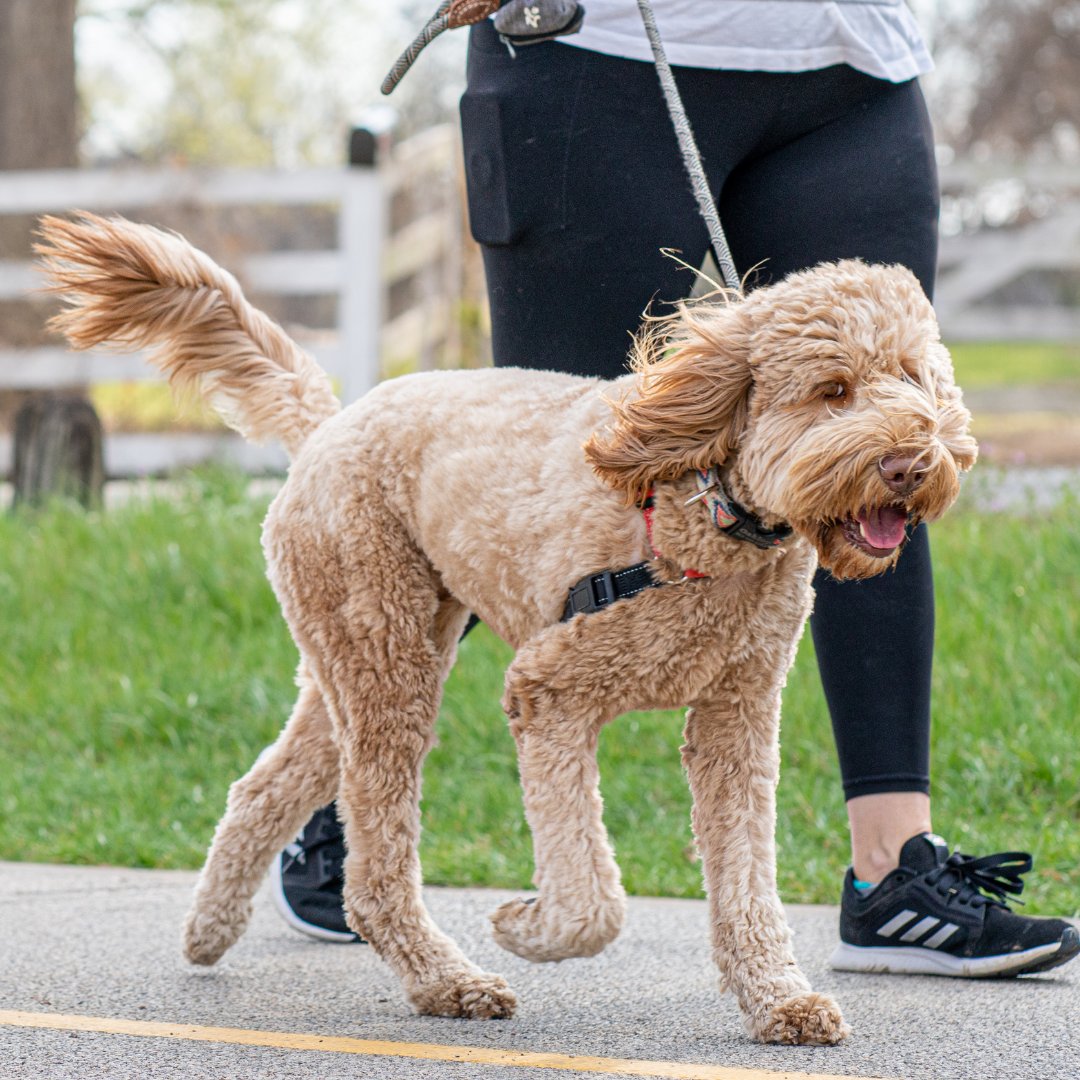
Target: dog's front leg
point(731, 754)
point(581, 904)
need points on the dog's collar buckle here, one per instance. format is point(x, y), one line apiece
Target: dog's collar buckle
point(731, 518)
point(594, 592)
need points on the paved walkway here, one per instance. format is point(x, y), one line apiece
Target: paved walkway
point(100, 943)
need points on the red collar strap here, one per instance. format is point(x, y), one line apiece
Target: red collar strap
point(647, 509)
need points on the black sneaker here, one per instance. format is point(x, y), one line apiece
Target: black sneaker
point(942, 914)
point(307, 880)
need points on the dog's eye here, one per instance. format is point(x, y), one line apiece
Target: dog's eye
point(910, 379)
point(834, 391)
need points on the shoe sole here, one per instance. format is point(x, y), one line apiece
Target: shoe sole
point(320, 933)
point(913, 960)
point(1070, 946)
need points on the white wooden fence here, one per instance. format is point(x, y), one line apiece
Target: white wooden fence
point(975, 266)
point(428, 248)
point(369, 260)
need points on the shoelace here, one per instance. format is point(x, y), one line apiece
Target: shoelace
point(990, 879)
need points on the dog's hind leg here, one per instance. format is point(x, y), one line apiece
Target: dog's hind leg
point(368, 613)
point(266, 808)
point(732, 757)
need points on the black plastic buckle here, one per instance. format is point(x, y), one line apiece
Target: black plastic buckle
point(592, 593)
point(747, 527)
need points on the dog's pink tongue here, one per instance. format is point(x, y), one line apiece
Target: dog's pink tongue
point(883, 528)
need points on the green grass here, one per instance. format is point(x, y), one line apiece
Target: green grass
point(145, 665)
point(1007, 363)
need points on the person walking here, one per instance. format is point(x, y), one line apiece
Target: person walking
point(817, 145)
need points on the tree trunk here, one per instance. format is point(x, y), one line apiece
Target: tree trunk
point(38, 102)
point(57, 439)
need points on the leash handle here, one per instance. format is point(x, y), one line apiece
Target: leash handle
point(690, 154)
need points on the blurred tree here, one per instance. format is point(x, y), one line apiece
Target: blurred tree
point(249, 82)
point(1009, 77)
point(57, 438)
point(38, 109)
point(38, 105)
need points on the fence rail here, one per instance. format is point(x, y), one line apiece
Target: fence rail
point(373, 254)
point(400, 230)
point(976, 267)
point(988, 277)
point(349, 272)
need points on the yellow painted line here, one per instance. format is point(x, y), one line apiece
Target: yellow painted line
point(475, 1055)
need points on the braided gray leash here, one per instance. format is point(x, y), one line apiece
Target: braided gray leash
point(432, 29)
point(690, 154)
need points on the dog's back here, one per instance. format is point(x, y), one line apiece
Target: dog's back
point(484, 469)
point(486, 472)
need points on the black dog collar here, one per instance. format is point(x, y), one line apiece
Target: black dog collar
point(731, 518)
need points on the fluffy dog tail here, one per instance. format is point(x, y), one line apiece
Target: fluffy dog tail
point(128, 286)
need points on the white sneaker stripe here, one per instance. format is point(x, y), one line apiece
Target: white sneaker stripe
point(941, 936)
point(896, 922)
point(923, 926)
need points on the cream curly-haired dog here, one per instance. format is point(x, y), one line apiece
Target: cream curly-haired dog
point(824, 403)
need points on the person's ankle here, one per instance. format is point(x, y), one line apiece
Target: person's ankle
point(880, 825)
point(873, 864)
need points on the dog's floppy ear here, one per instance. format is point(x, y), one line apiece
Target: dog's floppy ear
point(688, 406)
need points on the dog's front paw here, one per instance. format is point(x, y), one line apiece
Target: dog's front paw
point(529, 930)
point(467, 995)
point(807, 1019)
point(207, 935)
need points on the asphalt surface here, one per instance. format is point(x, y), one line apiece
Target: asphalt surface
point(102, 942)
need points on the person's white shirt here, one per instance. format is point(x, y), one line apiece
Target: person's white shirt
point(879, 37)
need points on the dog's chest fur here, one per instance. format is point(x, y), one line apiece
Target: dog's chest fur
point(737, 633)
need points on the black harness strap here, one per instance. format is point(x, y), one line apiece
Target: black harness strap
point(597, 591)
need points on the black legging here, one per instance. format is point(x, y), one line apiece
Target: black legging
point(576, 183)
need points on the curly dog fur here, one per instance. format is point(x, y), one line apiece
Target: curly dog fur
point(493, 492)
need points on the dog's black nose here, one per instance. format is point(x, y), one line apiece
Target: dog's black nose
point(900, 473)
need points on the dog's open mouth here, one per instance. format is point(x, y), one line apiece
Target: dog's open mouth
point(878, 531)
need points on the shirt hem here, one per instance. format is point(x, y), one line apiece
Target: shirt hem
point(681, 54)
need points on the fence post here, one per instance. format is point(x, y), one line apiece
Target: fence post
point(58, 451)
point(362, 230)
